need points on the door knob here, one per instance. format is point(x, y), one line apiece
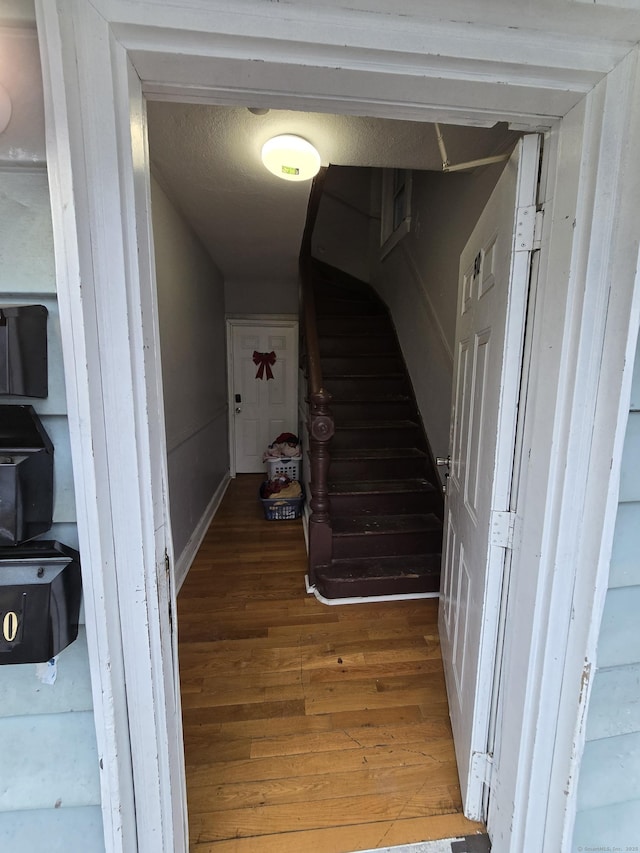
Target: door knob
point(238, 409)
point(443, 460)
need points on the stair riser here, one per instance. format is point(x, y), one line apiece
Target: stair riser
point(349, 411)
point(403, 503)
point(324, 288)
point(388, 544)
point(365, 587)
point(332, 325)
point(347, 388)
point(346, 470)
point(355, 344)
point(373, 364)
point(349, 439)
point(347, 307)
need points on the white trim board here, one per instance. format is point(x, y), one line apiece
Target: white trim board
point(369, 599)
point(96, 59)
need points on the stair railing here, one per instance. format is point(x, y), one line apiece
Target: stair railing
point(320, 424)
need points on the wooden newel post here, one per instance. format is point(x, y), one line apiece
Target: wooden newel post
point(321, 429)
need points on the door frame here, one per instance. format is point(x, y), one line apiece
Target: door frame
point(251, 320)
point(100, 59)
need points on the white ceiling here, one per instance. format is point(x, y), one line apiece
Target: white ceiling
point(207, 159)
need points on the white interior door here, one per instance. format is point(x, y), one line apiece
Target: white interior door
point(262, 407)
point(492, 295)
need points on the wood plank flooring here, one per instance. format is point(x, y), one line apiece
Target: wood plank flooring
point(306, 727)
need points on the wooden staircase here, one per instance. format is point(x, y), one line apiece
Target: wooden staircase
point(384, 492)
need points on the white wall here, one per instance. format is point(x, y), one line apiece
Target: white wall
point(193, 349)
point(418, 279)
point(50, 797)
point(261, 295)
point(609, 785)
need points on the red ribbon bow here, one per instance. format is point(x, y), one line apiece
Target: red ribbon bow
point(264, 359)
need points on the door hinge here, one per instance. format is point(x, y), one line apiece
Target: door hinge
point(525, 228)
point(502, 527)
point(482, 767)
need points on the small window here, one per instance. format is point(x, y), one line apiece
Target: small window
point(396, 208)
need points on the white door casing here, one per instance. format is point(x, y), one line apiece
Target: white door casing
point(97, 59)
point(492, 298)
point(266, 407)
point(116, 422)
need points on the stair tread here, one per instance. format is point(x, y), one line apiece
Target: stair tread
point(332, 304)
point(331, 291)
point(361, 355)
point(382, 398)
point(359, 487)
point(363, 567)
point(356, 361)
point(329, 336)
point(382, 525)
point(334, 293)
point(395, 374)
point(378, 453)
point(331, 310)
point(388, 424)
point(326, 287)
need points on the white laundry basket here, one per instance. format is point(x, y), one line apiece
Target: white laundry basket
point(284, 467)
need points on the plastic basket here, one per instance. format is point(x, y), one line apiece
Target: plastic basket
point(288, 467)
point(281, 509)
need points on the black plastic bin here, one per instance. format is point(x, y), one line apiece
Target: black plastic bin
point(26, 475)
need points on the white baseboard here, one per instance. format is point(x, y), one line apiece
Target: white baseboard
point(186, 558)
point(366, 599)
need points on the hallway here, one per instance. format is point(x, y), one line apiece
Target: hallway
point(306, 727)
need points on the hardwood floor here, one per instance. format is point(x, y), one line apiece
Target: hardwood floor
point(307, 728)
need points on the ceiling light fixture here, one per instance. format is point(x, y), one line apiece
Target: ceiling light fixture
point(291, 158)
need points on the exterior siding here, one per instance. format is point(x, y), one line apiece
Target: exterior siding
point(609, 784)
point(50, 797)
